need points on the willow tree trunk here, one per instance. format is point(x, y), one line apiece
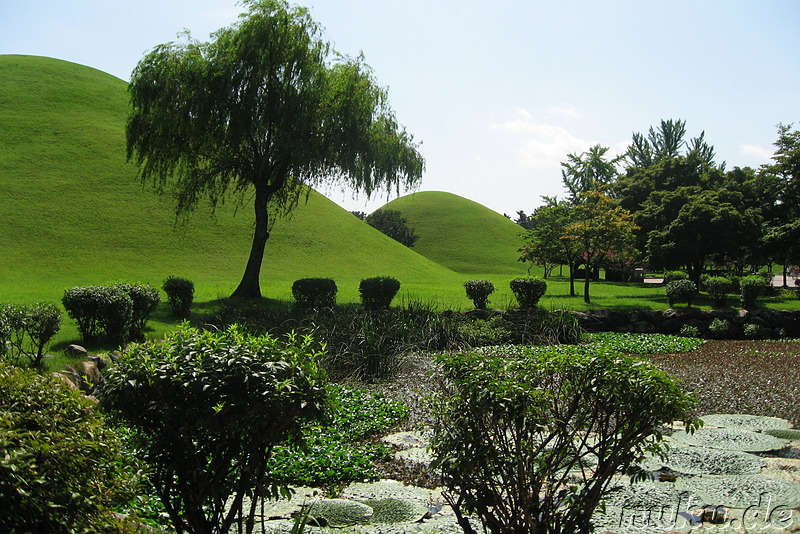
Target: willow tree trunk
point(250, 287)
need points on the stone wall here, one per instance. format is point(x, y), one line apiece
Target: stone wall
point(773, 323)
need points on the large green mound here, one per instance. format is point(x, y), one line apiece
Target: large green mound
point(73, 212)
point(460, 234)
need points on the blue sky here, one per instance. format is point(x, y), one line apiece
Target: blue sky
point(499, 93)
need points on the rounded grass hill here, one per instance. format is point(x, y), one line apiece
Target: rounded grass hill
point(73, 211)
point(460, 234)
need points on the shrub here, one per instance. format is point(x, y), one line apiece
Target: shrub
point(512, 430)
point(99, 309)
point(26, 331)
point(478, 292)
point(718, 288)
point(528, 290)
point(61, 470)
point(377, 293)
point(394, 225)
point(671, 276)
point(41, 322)
point(752, 331)
point(681, 290)
point(83, 305)
point(315, 292)
point(207, 408)
point(144, 299)
point(180, 294)
point(751, 288)
point(719, 328)
point(688, 330)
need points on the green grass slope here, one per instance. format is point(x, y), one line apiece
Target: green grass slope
point(72, 211)
point(460, 234)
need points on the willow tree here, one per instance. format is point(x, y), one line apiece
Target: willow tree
point(266, 109)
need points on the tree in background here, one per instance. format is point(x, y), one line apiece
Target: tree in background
point(392, 223)
point(545, 243)
point(589, 171)
point(266, 107)
point(599, 229)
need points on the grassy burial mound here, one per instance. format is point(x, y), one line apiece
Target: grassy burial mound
point(460, 234)
point(73, 212)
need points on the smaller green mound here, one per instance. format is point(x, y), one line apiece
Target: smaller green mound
point(792, 434)
point(730, 439)
point(746, 422)
point(742, 491)
point(644, 343)
point(707, 461)
point(339, 512)
point(393, 511)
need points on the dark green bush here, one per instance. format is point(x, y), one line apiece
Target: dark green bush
point(315, 292)
point(528, 290)
point(99, 309)
point(514, 429)
point(83, 305)
point(671, 276)
point(207, 408)
point(718, 288)
point(61, 470)
point(377, 293)
point(26, 331)
point(180, 294)
point(750, 289)
point(752, 331)
point(719, 328)
point(478, 292)
point(688, 330)
point(145, 300)
point(681, 290)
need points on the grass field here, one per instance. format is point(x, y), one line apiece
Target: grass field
point(73, 212)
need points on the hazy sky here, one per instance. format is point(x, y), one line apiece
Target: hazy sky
point(500, 92)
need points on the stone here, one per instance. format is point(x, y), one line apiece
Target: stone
point(76, 351)
point(92, 373)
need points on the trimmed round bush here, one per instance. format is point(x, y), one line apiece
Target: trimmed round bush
point(528, 290)
point(718, 288)
point(99, 309)
point(377, 293)
point(719, 328)
point(478, 292)
point(750, 289)
point(180, 294)
point(752, 331)
point(671, 276)
point(315, 292)
point(145, 300)
point(682, 290)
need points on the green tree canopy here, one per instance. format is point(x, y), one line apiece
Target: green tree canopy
point(266, 109)
point(394, 225)
point(589, 171)
point(600, 229)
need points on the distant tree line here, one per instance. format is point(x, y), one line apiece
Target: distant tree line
point(667, 204)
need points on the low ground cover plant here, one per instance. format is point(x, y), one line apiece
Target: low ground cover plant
point(633, 343)
point(514, 430)
point(338, 451)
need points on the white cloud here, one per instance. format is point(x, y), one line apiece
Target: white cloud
point(565, 110)
point(540, 144)
point(757, 151)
